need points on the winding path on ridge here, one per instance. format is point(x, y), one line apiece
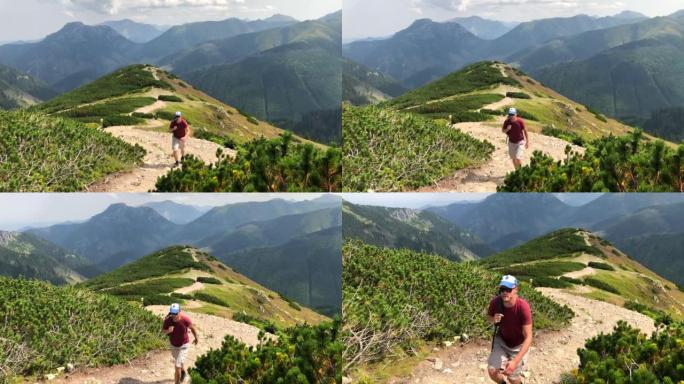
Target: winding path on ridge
point(157, 366)
point(553, 353)
point(159, 158)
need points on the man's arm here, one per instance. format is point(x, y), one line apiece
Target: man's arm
point(527, 136)
point(167, 329)
point(527, 332)
point(194, 333)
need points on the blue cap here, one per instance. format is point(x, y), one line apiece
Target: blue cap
point(175, 309)
point(508, 281)
point(512, 111)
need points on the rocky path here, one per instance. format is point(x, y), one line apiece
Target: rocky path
point(553, 353)
point(157, 366)
point(157, 162)
point(492, 174)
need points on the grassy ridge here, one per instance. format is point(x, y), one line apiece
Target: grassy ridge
point(157, 264)
point(42, 153)
point(125, 80)
point(391, 151)
point(475, 77)
point(460, 108)
point(562, 243)
point(44, 327)
point(109, 108)
point(399, 297)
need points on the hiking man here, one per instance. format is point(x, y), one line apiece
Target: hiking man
point(179, 127)
point(518, 139)
point(176, 325)
point(512, 342)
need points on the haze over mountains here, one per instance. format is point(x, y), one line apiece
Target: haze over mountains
point(288, 76)
point(249, 237)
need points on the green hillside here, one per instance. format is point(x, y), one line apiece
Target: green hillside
point(45, 327)
point(27, 256)
point(18, 89)
point(420, 231)
point(114, 98)
point(590, 266)
point(199, 281)
point(362, 85)
point(306, 269)
point(385, 150)
point(406, 298)
point(62, 154)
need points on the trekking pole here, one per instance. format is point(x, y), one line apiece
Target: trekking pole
point(499, 300)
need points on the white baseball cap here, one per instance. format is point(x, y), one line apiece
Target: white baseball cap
point(512, 112)
point(175, 309)
point(508, 281)
point(178, 113)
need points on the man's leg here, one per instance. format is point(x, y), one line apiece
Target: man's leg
point(177, 377)
point(517, 163)
point(496, 375)
point(182, 148)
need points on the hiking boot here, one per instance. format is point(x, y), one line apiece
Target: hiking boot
point(183, 374)
point(177, 164)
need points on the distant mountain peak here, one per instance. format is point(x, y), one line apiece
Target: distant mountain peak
point(280, 18)
point(630, 15)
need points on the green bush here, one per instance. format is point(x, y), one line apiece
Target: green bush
point(116, 120)
point(150, 287)
point(604, 266)
point(252, 120)
point(142, 115)
point(563, 134)
point(158, 300)
point(181, 296)
point(303, 354)
point(460, 108)
point(571, 280)
point(390, 151)
point(541, 281)
point(39, 153)
point(109, 108)
point(210, 299)
point(225, 141)
point(209, 280)
point(262, 324)
point(45, 327)
point(629, 356)
point(610, 164)
point(171, 98)
point(518, 95)
point(261, 165)
point(600, 284)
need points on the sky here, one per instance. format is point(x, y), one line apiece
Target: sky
point(34, 19)
point(22, 210)
point(381, 18)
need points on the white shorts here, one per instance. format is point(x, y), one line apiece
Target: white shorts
point(180, 354)
point(516, 150)
point(502, 354)
point(177, 143)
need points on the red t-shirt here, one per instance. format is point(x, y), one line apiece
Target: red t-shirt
point(515, 317)
point(515, 135)
point(181, 127)
point(179, 336)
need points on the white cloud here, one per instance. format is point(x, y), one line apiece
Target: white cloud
point(114, 7)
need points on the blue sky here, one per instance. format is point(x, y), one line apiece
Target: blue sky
point(34, 19)
point(372, 18)
point(36, 209)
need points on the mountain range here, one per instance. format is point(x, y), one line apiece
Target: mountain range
point(290, 76)
point(137, 32)
point(427, 50)
point(122, 234)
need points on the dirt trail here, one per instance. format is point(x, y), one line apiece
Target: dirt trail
point(490, 175)
point(552, 353)
point(192, 288)
point(157, 366)
point(158, 161)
